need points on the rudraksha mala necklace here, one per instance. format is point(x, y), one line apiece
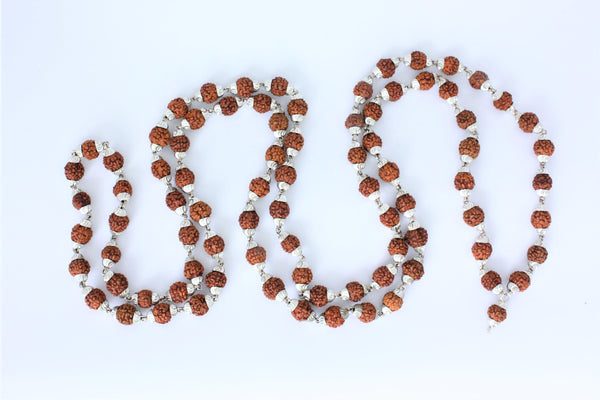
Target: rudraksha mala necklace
point(187, 114)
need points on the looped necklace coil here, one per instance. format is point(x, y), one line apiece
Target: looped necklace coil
point(406, 248)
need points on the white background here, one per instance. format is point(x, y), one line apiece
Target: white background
point(73, 70)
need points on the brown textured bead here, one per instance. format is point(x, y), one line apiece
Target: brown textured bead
point(387, 67)
point(145, 298)
point(372, 110)
point(262, 103)
point(113, 162)
point(214, 245)
point(541, 219)
point(418, 60)
point(260, 187)
point(521, 279)
point(74, 171)
point(368, 314)
point(394, 90)
point(389, 171)
point(405, 202)
point(537, 254)
point(161, 168)
point(357, 155)
point(413, 268)
point(481, 251)
point(392, 301)
point(451, 65)
point(245, 87)
point(426, 80)
point(278, 122)
point(368, 186)
point(125, 313)
point(293, 140)
point(81, 234)
point(195, 118)
point(279, 209)
point(118, 223)
point(290, 243)
point(497, 313)
point(302, 310)
point(256, 255)
point(390, 218)
point(356, 291)
point(473, 216)
point(355, 120)
point(228, 105)
point(117, 284)
point(543, 147)
point(464, 180)
point(286, 173)
point(275, 153)
point(416, 237)
point(112, 253)
point(469, 147)
point(302, 275)
point(504, 101)
point(79, 266)
point(363, 89)
point(178, 107)
point(542, 182)
point(198, 304)
point(95, 298)
point(490, 280)
point(180, 144)
point(398, 246)
point(528, 121)
point(188, 235)
point(122, 186)
point(200, 210)
point(383, 276)
point(279, 86)
point(297, 107)
point(208, 91)
point(215, 279)
point(81, 199)
point(465, 118)
point(193, 269)
point(184, 177)
point(477, 79)
point(318, 295)
point(175, 199)
point(178, 292)
point(448, 89)
point(89, 150)
point(371, 140)
point(248, 220)
point(333, 317)
point(162, 313)
point(272, 287)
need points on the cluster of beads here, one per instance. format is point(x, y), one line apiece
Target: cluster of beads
point(367, 110)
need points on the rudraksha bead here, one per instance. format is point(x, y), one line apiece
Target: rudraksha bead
point(543, 147)
point(357, 155)
point(125, 313)
point(200, 210)
point(209, 92)
point(290, 243)
point(297, 107)
point(248, 220)
point(302, 310)
point(469, 147)
point(371, 140)
point(521, 279)
point(162, 313)
point(189, 235)
point(504, 102)
point(256, 255)
point(198, 304)
point(490, 280)
point(473, 216)
point(81, 234)
point(279, 209)
point(278, 122)
point(89, 149)
point(387, 67)
point(302, 275)
point(497, 313)
point(398, 246)
point(372, 110)
point(161, 168)
point(160, 136)
point(279, 86)
point(286, 173)
point(195, 118)
point(392, 301)
point(118, 223)
point(193, 269)
point(528, 121)
point(405, 202)
point(114, 162)
point(79, 266)
point(144, 299)
point(390, 218)
point(112, 253)
point(355, 120)
point(122, 186)
point(215, 279)
point(389, 171)
point(383, 276)
point(465, 118)
point(541, 219)
point(418, 60)
point(175, 199)
point(368, 314)
point(363, 89)
point(451, 65)
point(184, 177)
point(394, 90)
point(481, 251)
point(262, 103)
point(74, 171)
point(477, 79)
point(537, 254)
point(413, 268)
point(260, 187)
point(178, 292)
point(416, 237)
point(542, 182)
point(81, 199)
point(293, 140)
point(448, 89)
point(368, 186)
point(272, 287)
point(214, 245)
point(426, 80)
point(245, 87)
point(356, 291)
point(318, 295)
point(228, 105)
point(95, 298)
point(180, 144)
point(333, 317)
point(178, 107)
point(275, 153)
point(464, 180)
point(117, 284)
